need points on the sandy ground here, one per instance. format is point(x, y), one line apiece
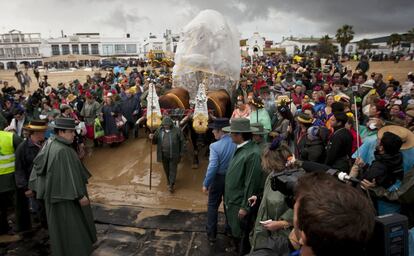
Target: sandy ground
point(398, 71)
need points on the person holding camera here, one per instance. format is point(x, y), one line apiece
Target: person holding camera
point(330, 217)
point(274, 218)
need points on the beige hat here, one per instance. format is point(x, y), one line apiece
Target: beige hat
point(406, 135)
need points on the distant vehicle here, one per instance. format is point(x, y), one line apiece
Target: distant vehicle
point(108, 64)
point(105, 64)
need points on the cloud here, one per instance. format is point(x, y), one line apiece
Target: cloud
point(273, 18)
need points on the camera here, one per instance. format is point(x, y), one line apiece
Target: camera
point(391, 231)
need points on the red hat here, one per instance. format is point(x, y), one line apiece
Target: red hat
point(307, 106)
point(88, 94)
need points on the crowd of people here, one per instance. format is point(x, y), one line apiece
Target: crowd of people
point(304, 114)
point(297, 112)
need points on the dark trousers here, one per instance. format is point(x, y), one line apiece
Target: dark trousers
point(215, 196)
point(247, 225)
point(6, 199)
point(23, 219)
point(170, 169)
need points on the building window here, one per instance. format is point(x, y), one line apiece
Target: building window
point(18, 52)
point(65, 49)
point(350, 49)
point(1, 52)
point(9, 52)
point(26, 51)
point(107, 49)
point(120, 48)
point(16, 38)
point(94, 49)
point(75, 49)
point(131, 48)
point(85, 49)
point(35, 50)
point(55, 50)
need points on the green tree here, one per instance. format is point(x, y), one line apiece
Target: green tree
point(365, 44)
point(325, 47)
point(344, 35)
point(394, 40)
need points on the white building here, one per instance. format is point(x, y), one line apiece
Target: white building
point(255, 45)
point(77, 44)
point(92, 44)
point(120, 47)
point(171, 41)
point(301, 45)
point(19, 48)
point(154, 44)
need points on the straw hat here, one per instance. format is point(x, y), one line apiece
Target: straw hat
point(71, 97)
point(406, 135)
point(305, 119)
point(36, 126)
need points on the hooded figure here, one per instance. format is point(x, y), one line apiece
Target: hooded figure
point(170, 148)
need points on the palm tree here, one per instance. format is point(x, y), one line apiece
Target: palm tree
point(365, 44)
point(344, 35)
point(394, 40)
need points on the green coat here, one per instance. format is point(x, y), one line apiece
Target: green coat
point(59, 178)
point(272, 207)
point(244, 178)
point(177, 149)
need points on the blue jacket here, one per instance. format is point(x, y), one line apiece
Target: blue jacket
point(221, 152)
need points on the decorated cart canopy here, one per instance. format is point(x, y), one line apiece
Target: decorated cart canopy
point(208, 53)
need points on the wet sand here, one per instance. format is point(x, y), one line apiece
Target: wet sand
point(121, 177)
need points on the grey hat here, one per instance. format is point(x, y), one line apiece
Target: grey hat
point(64, 123)
point(261, 129)
point(240, 125)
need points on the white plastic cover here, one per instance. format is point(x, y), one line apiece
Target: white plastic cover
point(209, 52)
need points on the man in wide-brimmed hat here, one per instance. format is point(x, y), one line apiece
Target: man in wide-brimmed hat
point(221, 153)
point(244, 178)
point(59, 178)
point(25, 154)
point(259, 135)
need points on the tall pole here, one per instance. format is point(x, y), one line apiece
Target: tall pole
point(356, 124)
point(152, 108)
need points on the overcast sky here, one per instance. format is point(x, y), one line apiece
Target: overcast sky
point(272, 18)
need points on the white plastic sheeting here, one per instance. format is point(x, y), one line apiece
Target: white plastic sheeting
point(208, 52)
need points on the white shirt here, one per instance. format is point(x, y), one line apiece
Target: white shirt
point(244, 143)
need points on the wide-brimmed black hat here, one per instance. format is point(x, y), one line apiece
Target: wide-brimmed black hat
point(64, 123)
point(219, 123)
point(240, 125)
